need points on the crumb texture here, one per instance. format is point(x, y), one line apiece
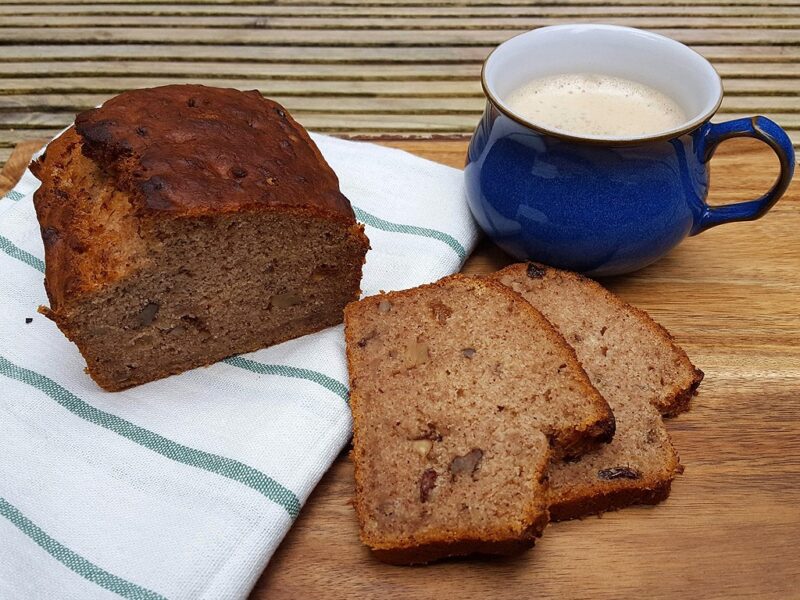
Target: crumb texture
point(637, 367)
point(460, 394)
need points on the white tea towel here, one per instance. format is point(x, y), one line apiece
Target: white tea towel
point(184, 487)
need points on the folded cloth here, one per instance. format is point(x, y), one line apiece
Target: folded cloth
point(184, 487)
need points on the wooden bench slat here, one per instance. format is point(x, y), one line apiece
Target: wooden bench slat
point(452, 122)
point(353, 37)
point(443, 123)
point(357, 124)
point(378, 23)
point(28, 85)
point(288, 70)
point(537, 9)
point(75, 102)
point(322, 53)
point(309, 87)
point(281, 70)
point(379, 3)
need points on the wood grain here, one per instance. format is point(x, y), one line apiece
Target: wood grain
point(367, 9)
point(346, 66)
point(17, 162)
point(730, 528)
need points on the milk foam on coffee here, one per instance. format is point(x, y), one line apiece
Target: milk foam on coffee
point(595, 105)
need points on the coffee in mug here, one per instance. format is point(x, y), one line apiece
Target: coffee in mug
point(595, 104)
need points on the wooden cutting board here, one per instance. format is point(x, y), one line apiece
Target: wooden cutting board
point(731, 527)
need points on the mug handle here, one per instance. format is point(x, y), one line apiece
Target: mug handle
point(759, 128)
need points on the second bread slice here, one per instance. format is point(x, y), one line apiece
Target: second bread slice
point(637, 367)
point(460, 392)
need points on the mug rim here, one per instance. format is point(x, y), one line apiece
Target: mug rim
point(599, 141)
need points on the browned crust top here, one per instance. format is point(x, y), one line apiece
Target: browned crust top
point(193, 150)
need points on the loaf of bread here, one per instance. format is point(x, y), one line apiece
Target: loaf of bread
point(184, 224)
point(460, 393)
point(637, 367)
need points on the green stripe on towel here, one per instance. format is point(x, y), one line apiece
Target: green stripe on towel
point(73, 561)
point(379, 223)
point(330, 383)
point(13, 195)
point(226, 467)
point(16, 252)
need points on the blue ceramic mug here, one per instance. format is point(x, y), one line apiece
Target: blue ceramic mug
point(604, 206)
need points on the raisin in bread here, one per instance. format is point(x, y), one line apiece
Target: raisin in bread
point(184, 224)
point(460, 393)
point(637, 367)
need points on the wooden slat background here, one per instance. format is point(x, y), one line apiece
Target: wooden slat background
point(406, 67)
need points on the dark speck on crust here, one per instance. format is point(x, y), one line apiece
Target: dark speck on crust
point(535, 272)
point(50, 235)
point(154, 184)
point(152, 189)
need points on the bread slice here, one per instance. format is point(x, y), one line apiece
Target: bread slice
point(636, 365)
point(184, 224)
point(460, 393)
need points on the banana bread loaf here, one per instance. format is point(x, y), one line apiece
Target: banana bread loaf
point(460, 392)
point(637, 367)
point(183, 224)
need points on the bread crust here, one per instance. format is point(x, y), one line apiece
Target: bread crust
point(432, 551)
point(610, 500)
point(599, 497)
point(192, 150)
